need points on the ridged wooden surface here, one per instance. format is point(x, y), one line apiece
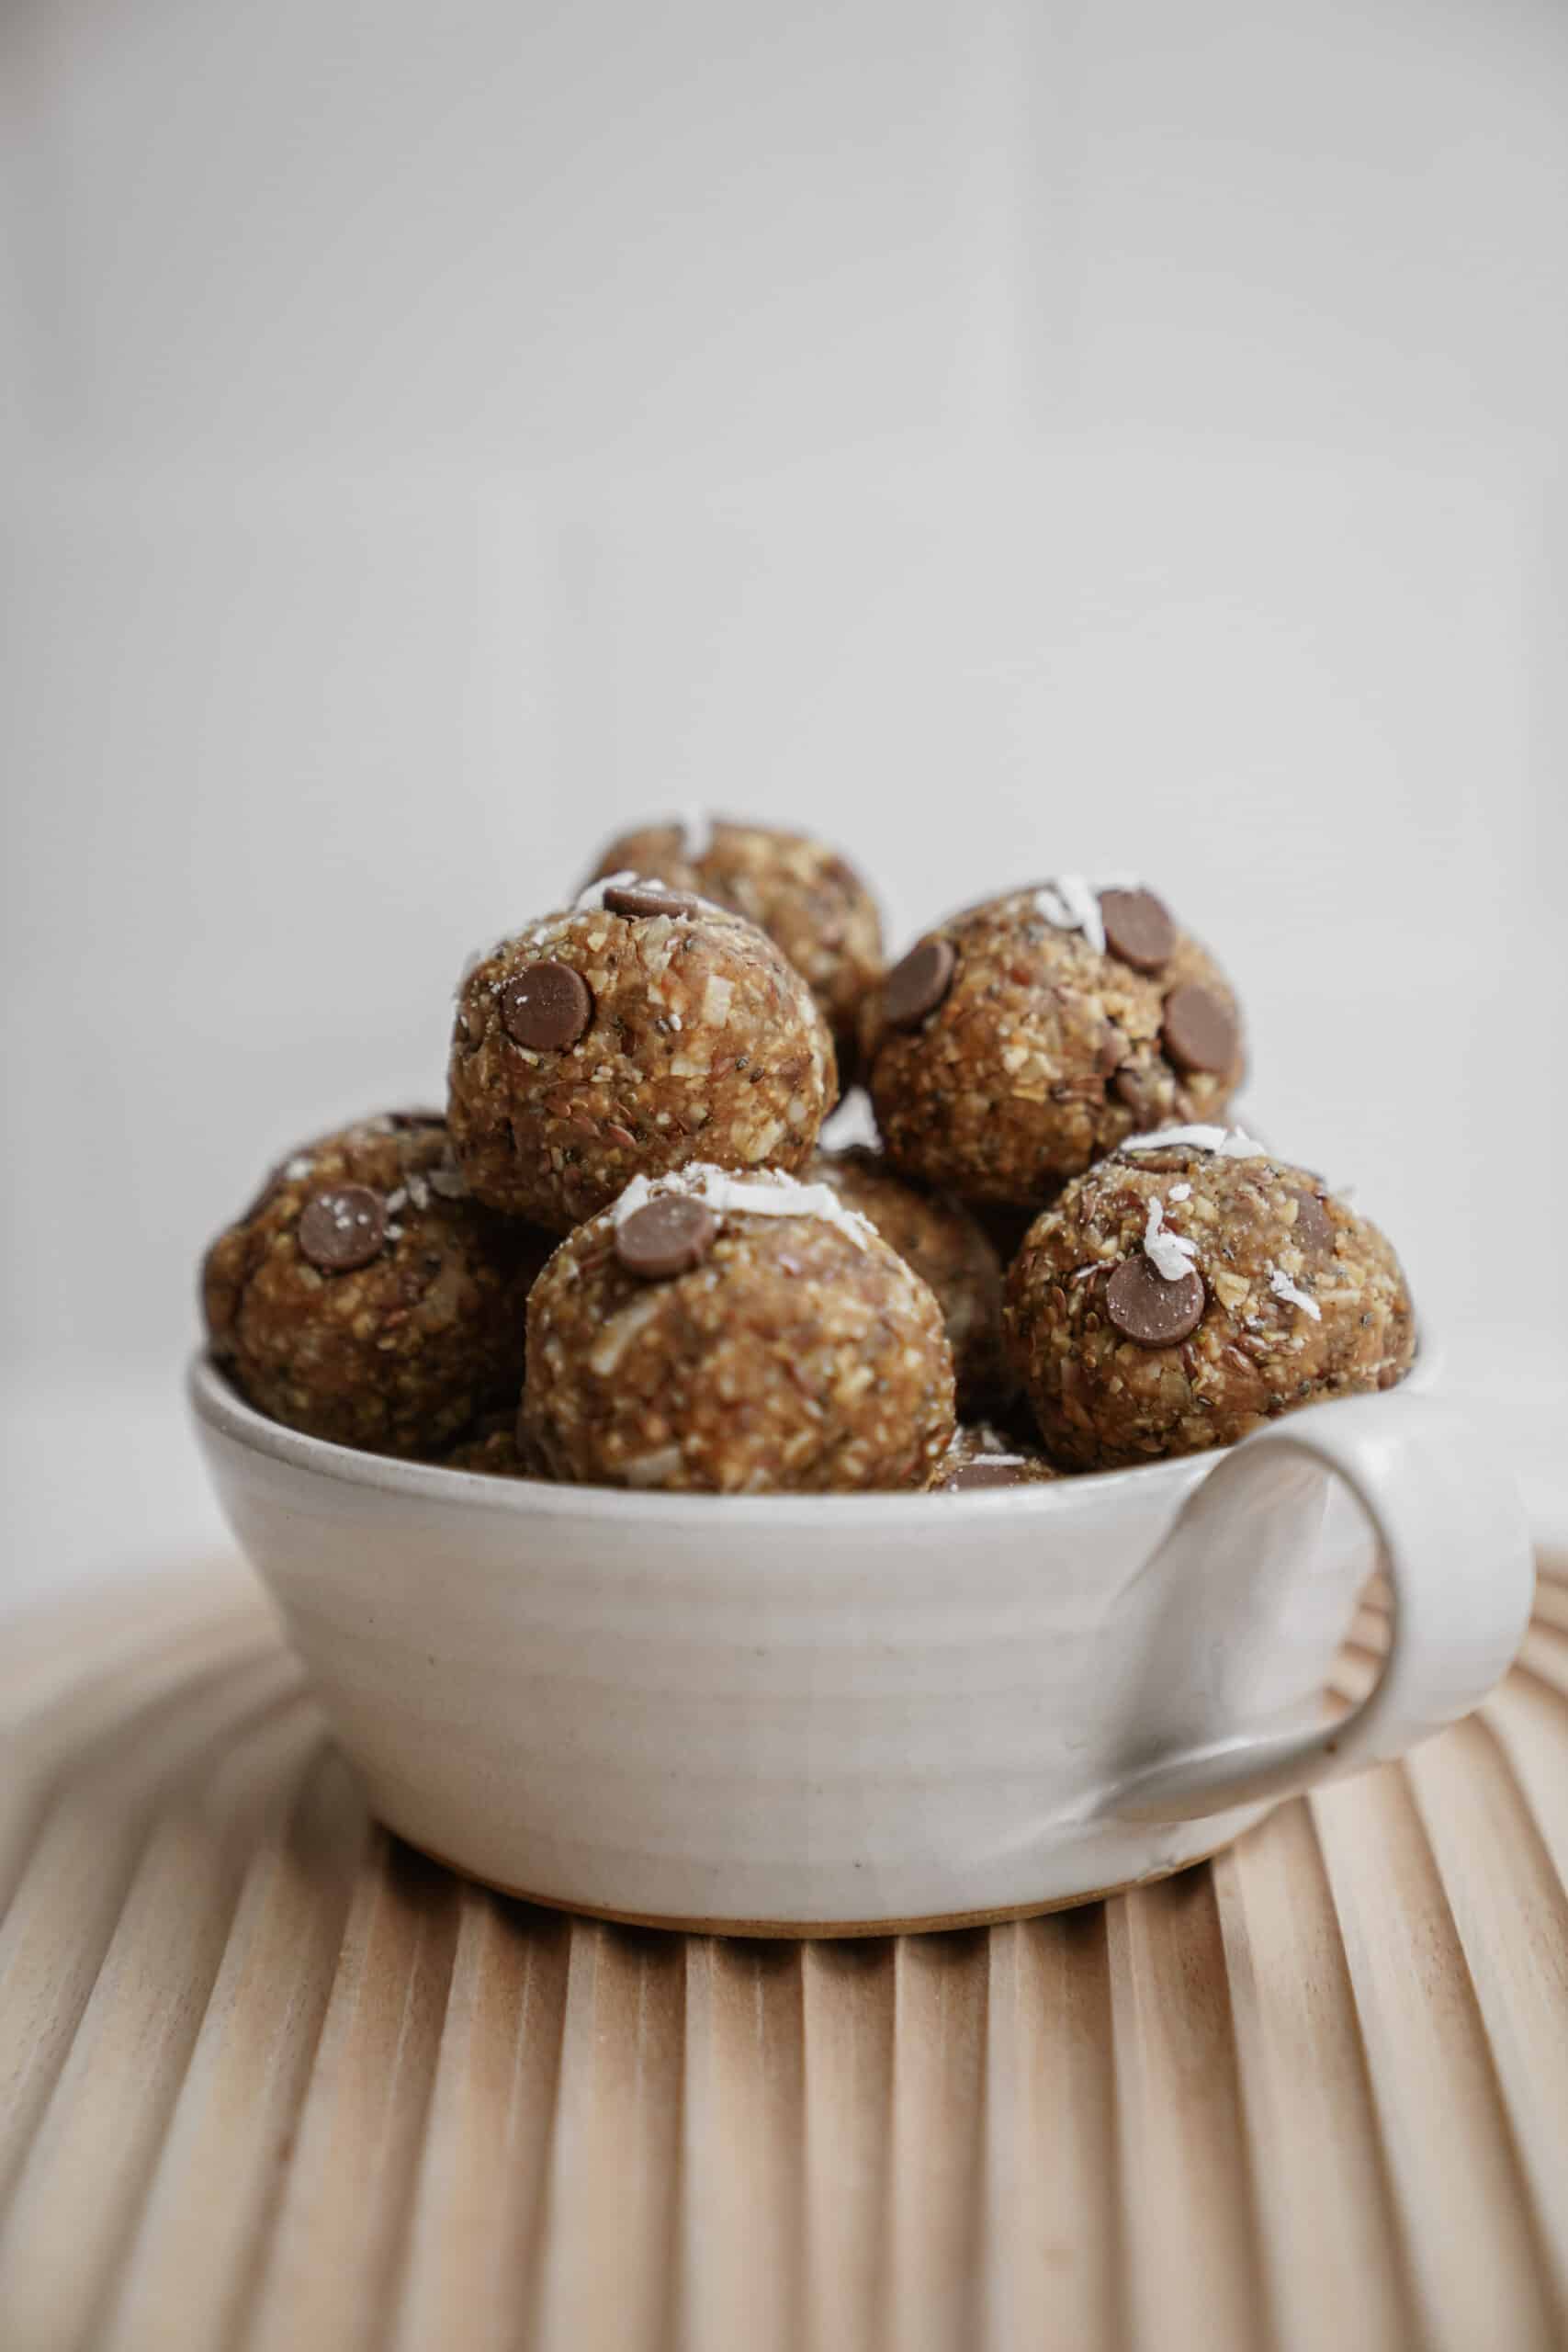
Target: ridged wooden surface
point(268, 2080)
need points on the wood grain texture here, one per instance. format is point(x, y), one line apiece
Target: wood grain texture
point(268, 2079)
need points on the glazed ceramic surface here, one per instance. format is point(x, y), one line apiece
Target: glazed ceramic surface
point(778, 1713)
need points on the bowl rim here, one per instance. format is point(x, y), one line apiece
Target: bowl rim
point(218, 1406)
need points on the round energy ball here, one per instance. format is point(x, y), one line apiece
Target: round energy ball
point(810, 903)
point(641, 1029)
point(1024, 1038)
point(735, 1335)
point(365, 1297)
point(1191, 1287)
point(983, 1456)
point(946, 1248)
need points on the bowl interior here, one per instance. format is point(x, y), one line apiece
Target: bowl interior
point(221, 1407)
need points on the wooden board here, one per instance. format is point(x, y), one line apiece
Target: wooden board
point(269, 2080)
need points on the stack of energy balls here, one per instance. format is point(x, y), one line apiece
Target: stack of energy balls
point(622, 1256)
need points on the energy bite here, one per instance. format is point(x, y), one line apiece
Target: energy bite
point(364, 1296)
point(1191, 1287)
point(983, 1456)
point(735, 1335)
point(1024, 1038)
point(641, 1029)
point(811, 903)
point(946, 1248)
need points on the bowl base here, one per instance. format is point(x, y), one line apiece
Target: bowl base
point(813, 1930)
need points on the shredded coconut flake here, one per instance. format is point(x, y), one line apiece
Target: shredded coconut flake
point(1171, 1254)
point(298, 1167)
point(696, 834)
point(1071, 902)
point(852, 1122)
point(1227, 1143)
point(398, 1200)
point(618, 1334)
point(1181, 1191)
point(1284, 1287)
point(770, 1192)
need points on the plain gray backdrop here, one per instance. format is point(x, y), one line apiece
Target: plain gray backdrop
point(1003, 438)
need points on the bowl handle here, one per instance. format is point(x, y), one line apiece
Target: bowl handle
point(1455, 1550)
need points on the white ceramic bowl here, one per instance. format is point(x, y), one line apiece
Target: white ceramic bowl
point(834, 1713)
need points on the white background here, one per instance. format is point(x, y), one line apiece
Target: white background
point(1097, 437)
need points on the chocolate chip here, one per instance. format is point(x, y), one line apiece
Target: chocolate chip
point(918, 985)
point(1145, 1307)
point(1137, 929)
point(651, 898)
point(547, 1008)
point(666, 1237)
point(342, 1228)
point(985, 1470)
point(1313, 1227)
point(1198, 1032)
